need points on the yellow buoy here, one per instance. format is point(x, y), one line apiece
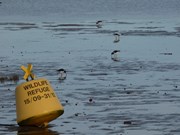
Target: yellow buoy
point(36, 102)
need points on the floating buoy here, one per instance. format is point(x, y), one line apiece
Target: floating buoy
point(36, 102)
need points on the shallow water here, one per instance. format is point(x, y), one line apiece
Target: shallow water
point(137, 94)
point(74, 11)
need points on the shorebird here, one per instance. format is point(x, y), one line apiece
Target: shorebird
point(115, 55)
point(99, 24)
point(117, 37)
point(62, 74)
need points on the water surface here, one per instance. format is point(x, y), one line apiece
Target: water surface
point(139, 94)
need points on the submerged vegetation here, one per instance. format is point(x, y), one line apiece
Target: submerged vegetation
point(13, 78)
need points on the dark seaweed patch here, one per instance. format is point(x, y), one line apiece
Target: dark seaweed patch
point(150, 33)
point(119, 22)
point(151, 27)
point(14, 78)
point(13, 26)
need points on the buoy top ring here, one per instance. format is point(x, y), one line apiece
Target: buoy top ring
point(28, 72)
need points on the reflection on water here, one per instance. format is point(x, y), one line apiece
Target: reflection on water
point(7, 128)
point(36, 131)
point(134, 30)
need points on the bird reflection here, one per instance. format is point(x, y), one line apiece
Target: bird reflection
point(115, 55)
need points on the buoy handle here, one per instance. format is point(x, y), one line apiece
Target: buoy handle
point(28, 72)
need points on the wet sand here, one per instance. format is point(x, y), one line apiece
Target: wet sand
point(138, 94)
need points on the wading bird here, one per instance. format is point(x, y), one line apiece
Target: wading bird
point(62, 73)
point(115, 55)
point(117, 37)
point(99, 24)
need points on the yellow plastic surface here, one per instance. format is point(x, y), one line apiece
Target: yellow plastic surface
point(36, 103)
point(28, 72)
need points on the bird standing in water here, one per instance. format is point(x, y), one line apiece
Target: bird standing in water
point(115, 55)
point(117, 37)
point(99, 24)
point(62, 73)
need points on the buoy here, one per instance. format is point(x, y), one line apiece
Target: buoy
point(36, 102)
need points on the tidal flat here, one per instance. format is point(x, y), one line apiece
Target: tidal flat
point(138, 94)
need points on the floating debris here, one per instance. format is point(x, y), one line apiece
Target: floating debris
point(66, 101)
point(128, 92)
point(166, 53)
point(90, 100)
point(127, 122)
